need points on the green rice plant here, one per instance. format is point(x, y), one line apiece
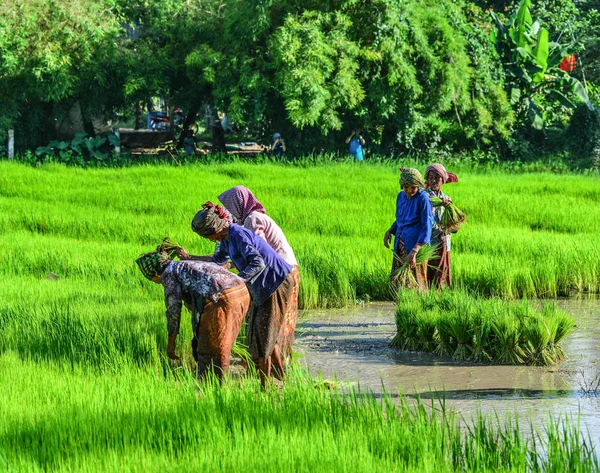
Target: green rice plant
point(537, 347)
point(506, 340)
point(460, 327)
point(169, 247)
point(467, 327)
point(404, 277)
point(452, 217)
point(482, 330)
point(406, 337)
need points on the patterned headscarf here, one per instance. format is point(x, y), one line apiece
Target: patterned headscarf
point(210, 220)
point(151, 264)
point(440, 170)
point(240, 201)
point(411, 177)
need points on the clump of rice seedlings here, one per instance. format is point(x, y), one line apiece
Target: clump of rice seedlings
point(169, 247)
point(537, 335)
point(445, 345)
point(481, 339)
point(404, 277)
point(460, 328)
point(506, 338)
point(466, 327)
point(452, 217)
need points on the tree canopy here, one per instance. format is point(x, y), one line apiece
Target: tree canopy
point(415, 75)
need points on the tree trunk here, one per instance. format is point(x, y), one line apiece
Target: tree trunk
point(190, 119)
point(138, 115)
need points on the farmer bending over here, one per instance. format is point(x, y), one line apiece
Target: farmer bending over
point(217, 298)
point(269, 279)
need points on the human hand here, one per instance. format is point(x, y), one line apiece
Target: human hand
point(183, 254)
point(387, 238)
point(412, 259)
point(446, 201)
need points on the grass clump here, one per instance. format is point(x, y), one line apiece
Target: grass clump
point(465, 327)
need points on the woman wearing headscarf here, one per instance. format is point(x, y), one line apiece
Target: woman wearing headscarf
point(269, 280)
point(249, 212)
point(438, 272)
point(412, 227)
point(218, 299)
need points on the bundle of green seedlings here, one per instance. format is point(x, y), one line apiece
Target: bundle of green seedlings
point(452, 217)
point(169, 247)
point(403, 276)
point(467, 327)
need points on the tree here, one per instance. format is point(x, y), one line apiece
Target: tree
point(53, 55)
point(534, 78)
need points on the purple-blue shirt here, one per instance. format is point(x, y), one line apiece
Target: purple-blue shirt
point(413, 220)
point(259, 266)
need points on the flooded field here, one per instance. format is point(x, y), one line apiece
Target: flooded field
point(352, 346)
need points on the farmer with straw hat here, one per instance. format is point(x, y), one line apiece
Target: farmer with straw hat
point(438, 272)
point(411, 228)
point(249, 212)
point(218, 299)
point(269, 280)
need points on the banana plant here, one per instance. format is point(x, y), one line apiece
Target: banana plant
point(532, 65)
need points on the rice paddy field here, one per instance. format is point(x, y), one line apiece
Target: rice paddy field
point(84, 385)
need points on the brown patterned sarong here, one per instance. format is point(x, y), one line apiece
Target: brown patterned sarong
point(219, 327)
point(290, 318)
point(266, 322)
point(419, 272)
point(438, 272)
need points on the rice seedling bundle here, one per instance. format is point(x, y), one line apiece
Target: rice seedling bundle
point(169, 247)
point(467, 327)
point(404, 277)
point(452, 217)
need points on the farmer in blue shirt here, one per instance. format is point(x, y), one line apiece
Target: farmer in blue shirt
point(356, 142)
point(412, 227)
point(269, 280)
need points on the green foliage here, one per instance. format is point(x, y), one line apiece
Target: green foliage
point(52, 55)
point(532, 61)
point(79, 151)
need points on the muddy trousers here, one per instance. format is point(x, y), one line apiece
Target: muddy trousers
point(218, 329)
point(265, 330)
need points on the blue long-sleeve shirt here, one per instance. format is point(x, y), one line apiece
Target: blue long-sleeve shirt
point(413, 220)
point(259, 266)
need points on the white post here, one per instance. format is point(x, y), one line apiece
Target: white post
point(117, 133)
point(11, 144)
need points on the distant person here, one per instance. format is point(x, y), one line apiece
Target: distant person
point(218, 300)
point(278, 146)
point(218, 138)
point(356, 142)
point(189, 143)
point(412, 227)
point(438, 272)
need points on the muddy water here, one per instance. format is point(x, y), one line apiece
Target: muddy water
point(352, 346)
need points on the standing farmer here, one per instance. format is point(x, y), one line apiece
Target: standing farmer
point(412, 227)
point(356, 143)
point(269, 280)
point(218, 300)
point(250, 213)
point(438, 272)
